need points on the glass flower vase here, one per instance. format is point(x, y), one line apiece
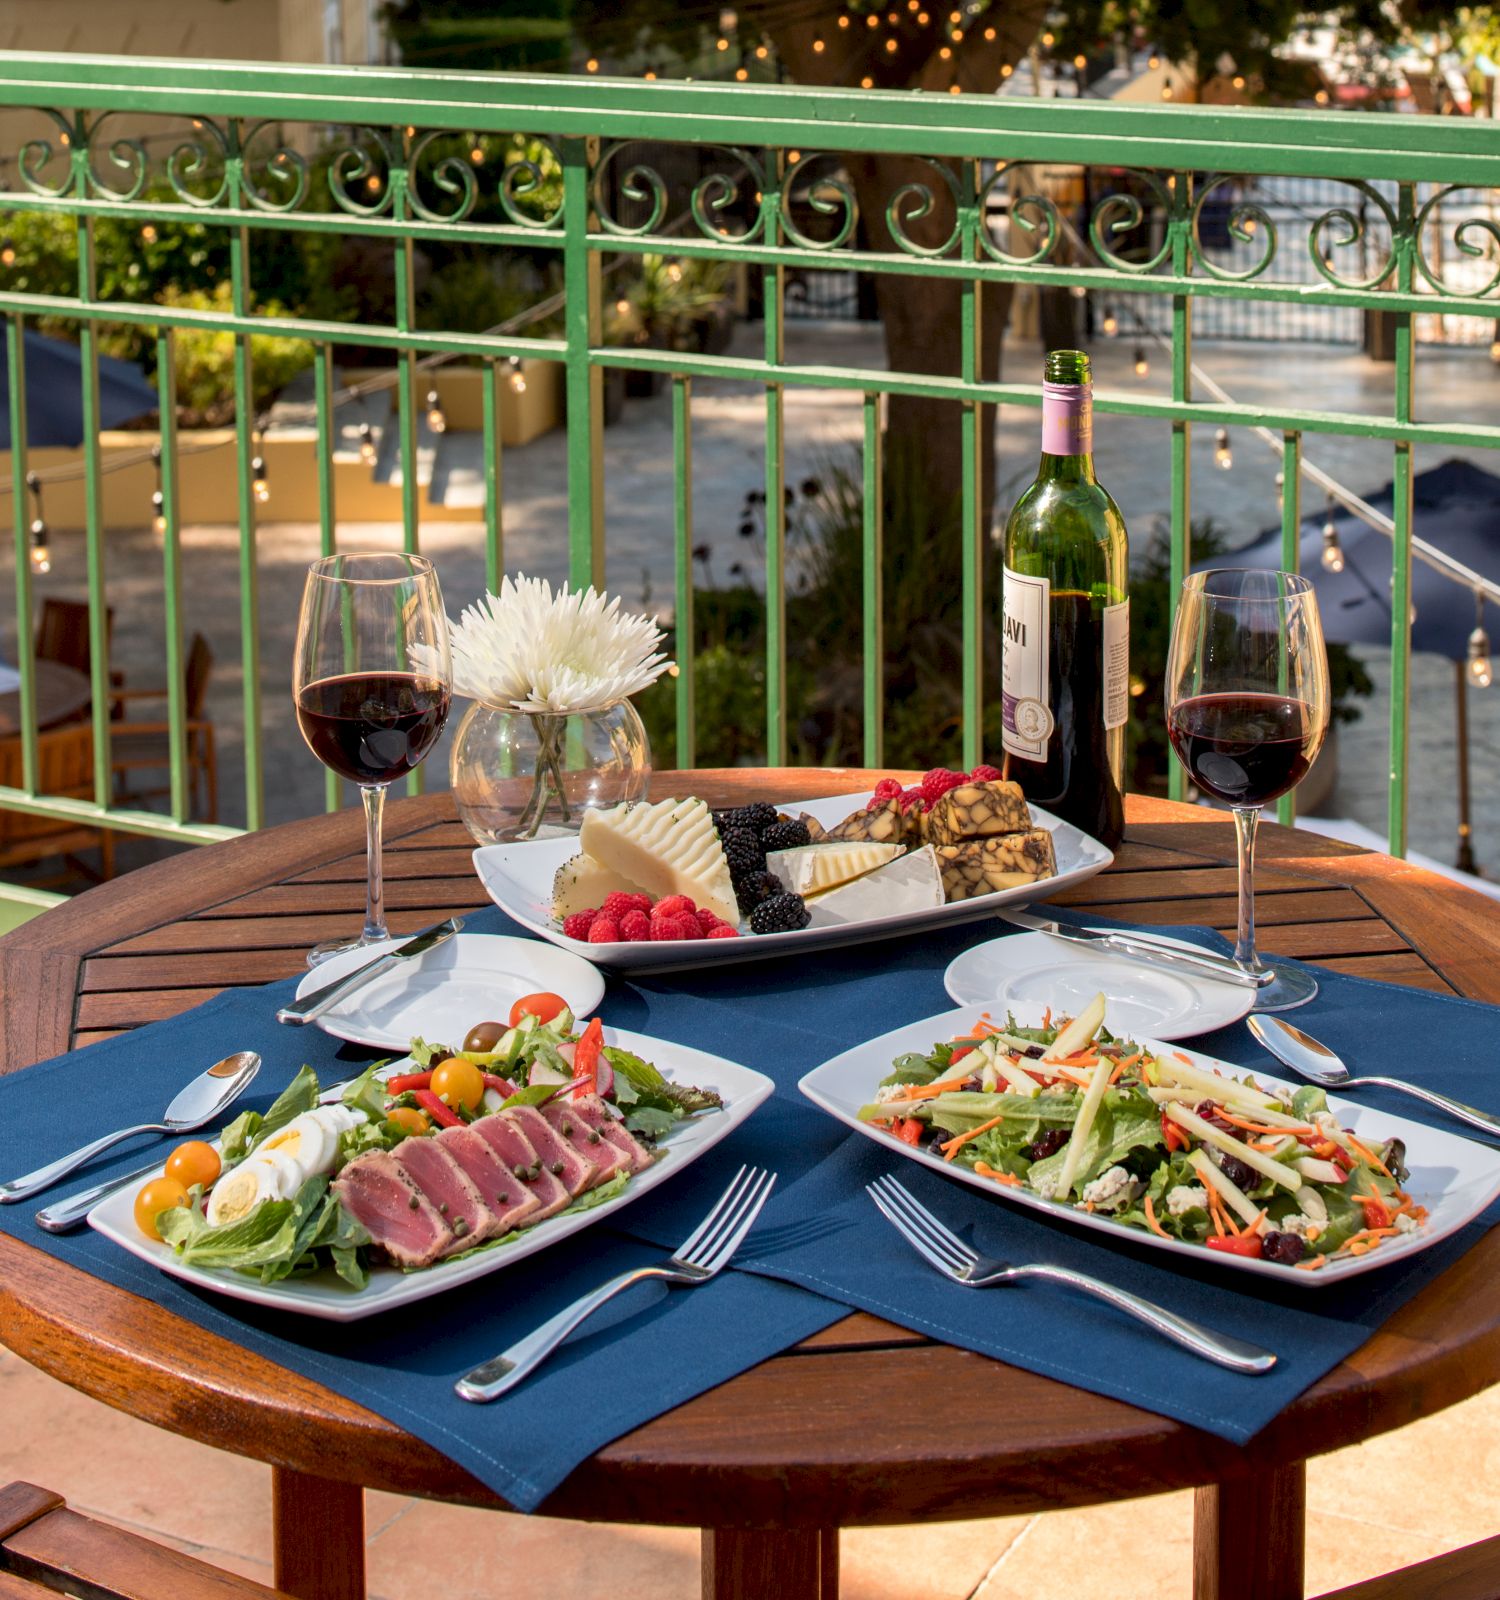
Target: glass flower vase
point(532, 775)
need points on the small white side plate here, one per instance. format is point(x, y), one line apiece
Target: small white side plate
point(1027, 972)
point(468, 979)
point(325, 1296)
point(1454, 1178)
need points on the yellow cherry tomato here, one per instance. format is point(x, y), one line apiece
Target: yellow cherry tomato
point(161, 1194)
point(194, 1162)
point(458, 1083)
point(408, 1117)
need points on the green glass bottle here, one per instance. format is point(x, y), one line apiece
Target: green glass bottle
point(1067, 621)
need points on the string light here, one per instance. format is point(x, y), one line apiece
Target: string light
point(844, 21)
point(41, 552)
point(957, 36)
point(158, 498)
point(260, 483)
point(1238, 81)
point(818, 46)
point(1166, 90)
point(923, 18)
point(7, 252)
point(1223, 456)
point(1048, 40)
point(437, 421)
point(148, 233)
point(1080, 61)
point(517, 377)
point(1153, 61)
point(761, 52)
point(867, 83)
point(1480, 669)
point(1006, 70)
point(592, 64)
point(1321, 97)
point(945, 53)
point(721, 43)
point(956, 88)
point(891, 46)
point(367, 451)
point(1111, 323)
point(622, 306)
point(989, 36)
point(650, 75)
point(476, 155)
point(1333, 551)
point(872, 21)
point(1142, 365)
point(372, 183)
point(740, 75)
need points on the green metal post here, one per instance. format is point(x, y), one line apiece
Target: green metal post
point(15, 346)
point(1181, 511)
point(682, 522)
point(873, 586)
point(323, 384)
point(1291, 537)
point(171, 570)
point(406, 375)
point(1405, 241)
point(773, 297)
point(494, 505)
point(975, 515)
point(583, 323)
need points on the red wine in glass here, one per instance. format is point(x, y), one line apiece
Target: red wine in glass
point(1246, 749)
point(372, 727)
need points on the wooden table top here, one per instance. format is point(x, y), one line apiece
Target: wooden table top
point(61, 692)
point(795, 1442)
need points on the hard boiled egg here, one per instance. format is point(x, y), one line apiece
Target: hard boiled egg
point(308, 1140)
point(240, 1190)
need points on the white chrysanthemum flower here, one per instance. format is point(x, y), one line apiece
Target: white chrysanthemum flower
point(528, 649)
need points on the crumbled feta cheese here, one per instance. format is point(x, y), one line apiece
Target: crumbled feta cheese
point(1280, 1092)
point(1296, 1223)
point(1184, 1197)
point(1107, 1189)
point(1047, 1185)
point(1406, 1223)
point(889, 1092)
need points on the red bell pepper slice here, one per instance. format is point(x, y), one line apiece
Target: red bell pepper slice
point(409, 1080)
point(499, 1085)
point(587, 1051)
point(1242, 1244)
point(958, 1055)
point(1377, 1213)
point(1175, 1138)
point(435, 1109)
point(907, 1129)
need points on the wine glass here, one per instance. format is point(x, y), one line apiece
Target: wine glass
point(372, 683)
point(1247, 711)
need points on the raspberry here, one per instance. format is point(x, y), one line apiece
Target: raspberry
point(678, 927)
point(604, 931)
point(674, 905)
point(912, 797)
point(983, 774)
point(577, 926)
point(616, 905)
point(635, 926)
point(888, 789)
point(937, 783)
point(721, 931)
point(707, 921)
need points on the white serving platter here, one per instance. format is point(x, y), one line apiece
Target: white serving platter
point(1026, 972)
point(478, 975)
point(326, 1296)
point(518, 878)
point(1455, 1178)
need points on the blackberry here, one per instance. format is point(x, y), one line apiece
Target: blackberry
point(743, 852)
point(785, 836)
point(757, 818)
point(782, 913)
point(754, 887)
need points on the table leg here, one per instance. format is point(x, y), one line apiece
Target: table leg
point(756, 1564)
point(1248, 1536)
point(319, 1536)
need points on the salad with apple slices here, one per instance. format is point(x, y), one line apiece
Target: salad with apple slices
point(1079, 1117)
point(460, 1153)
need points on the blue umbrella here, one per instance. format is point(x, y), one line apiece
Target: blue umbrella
point(1456, 507)
point(54, 393)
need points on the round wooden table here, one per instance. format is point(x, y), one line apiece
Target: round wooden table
point(61, 692)
point(774, 1462)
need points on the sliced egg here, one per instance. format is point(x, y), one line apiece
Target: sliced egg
point(290, 1173)
point(239, 1191)
point(308, 1140)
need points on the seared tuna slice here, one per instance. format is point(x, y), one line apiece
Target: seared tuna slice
point(435, 1171)
point(503, 1135)
point(587, 1140)
point(512, 1202)
point(558, 1156)
point(597, 1115)
point(376, 1191)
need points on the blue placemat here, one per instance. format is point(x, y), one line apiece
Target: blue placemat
point(820, 1248)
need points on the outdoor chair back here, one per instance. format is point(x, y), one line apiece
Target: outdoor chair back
point(65, 770)
point(62, 632)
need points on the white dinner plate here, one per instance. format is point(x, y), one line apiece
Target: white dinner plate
point(326, 1296)
point(1026, 972)
point(518, 878)
point(1454, 1178)
point(468, 979)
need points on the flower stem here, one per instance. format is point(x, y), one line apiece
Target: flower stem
point(547, 781)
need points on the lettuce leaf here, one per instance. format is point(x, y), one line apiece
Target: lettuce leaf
point(250, 1127)
point(367, 1093)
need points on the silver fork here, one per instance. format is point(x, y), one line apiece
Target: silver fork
point(697, 1259)
point(938, 1245)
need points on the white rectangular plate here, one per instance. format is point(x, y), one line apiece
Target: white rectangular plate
point(518, 878)
point(1454, 1178)
point(327, 1296)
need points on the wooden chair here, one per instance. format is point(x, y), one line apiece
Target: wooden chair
point(65, 770)
point(45, 1549)
point(62, 632)
point(146, 746)
point(1472, 1573)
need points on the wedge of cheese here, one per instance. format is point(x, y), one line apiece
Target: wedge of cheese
point(979, 811)
point(982, 866)
point(886, 824)
point(812, 869)
point(670, 847)
point(910, 882)
point(581, 883)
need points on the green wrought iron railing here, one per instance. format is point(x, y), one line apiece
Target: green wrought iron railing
point(393, 178)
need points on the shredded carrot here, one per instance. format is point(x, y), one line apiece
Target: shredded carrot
point(1312, 1264)
point(1325, 1150)
point(1373, 1233)
point(951, 1147)
point(1151, 1221)
point(1368, 1154)
point(986, 1171)
point(1215, 1210)
point(1259, 1223)
point(1260, 1127)
point(1185, 1060)
point(1313, 1235)
point(1262, 1144)
point(1072, 1077)
point(1047, 1017)
point(930, 1091)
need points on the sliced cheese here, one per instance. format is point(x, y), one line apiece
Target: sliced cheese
point(670, 847)
point(582, 883)
point(815, 868)
point(910, 882)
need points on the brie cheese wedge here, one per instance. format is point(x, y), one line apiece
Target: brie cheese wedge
point(811, 869)
point(911, 882)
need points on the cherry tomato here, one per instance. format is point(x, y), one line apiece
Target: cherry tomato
point(907, 1129)
point(1244, 1244)
point(484, 1036)
point(1172, 1135)
point(161, 1194)
point(458, 1083)
point(194, 1162)
point(544, 1007)
point(408, 1117)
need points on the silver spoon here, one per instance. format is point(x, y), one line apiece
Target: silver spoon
point(1318, 1064)
point(201, 1101)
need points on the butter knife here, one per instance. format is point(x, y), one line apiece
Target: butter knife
point(1203, 964)
point(315, 1004)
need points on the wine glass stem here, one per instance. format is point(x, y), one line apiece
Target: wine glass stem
point(1245, 819)
point(374, 797)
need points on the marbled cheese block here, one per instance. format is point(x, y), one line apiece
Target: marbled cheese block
point(911, 882)
point(981, 866)
point(978, 811)
point(815, 868)
point(670, 847)
point(581, 883)
point(886, 824)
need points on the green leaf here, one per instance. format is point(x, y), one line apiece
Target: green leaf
point(422, 1053)
point(250, 1129)
point(640, 1073)
point(366, 1093)
point(649, 1121)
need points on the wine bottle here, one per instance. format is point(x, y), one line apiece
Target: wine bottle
point(1066, 664)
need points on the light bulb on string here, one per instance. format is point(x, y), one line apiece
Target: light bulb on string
point(260, 483)
point(818, 46)
point(1111, 323)
point(1333, 551)
point(1223, 455)
point(1479, 668)
point(437, 421)
point(41, 550)
point(517, 377)
point(741, 75)
point(844, 21)
point(367, 451)
point(1153, 61)
point(7, 252)
point(158, 498)
point(1142, 365)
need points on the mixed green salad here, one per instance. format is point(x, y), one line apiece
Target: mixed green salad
point(1075, 1115)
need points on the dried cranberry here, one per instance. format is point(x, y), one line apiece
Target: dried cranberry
point(1237, 1171)
point(974, 1085)
point(1209, 1111)
point(1048, 1144)
point(1287, 1248)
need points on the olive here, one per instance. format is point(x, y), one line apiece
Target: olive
point(485, 1036)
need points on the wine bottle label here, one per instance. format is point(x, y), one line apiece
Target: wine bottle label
point(1067, 419)
point(1117, 664)
point(1026, 715)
